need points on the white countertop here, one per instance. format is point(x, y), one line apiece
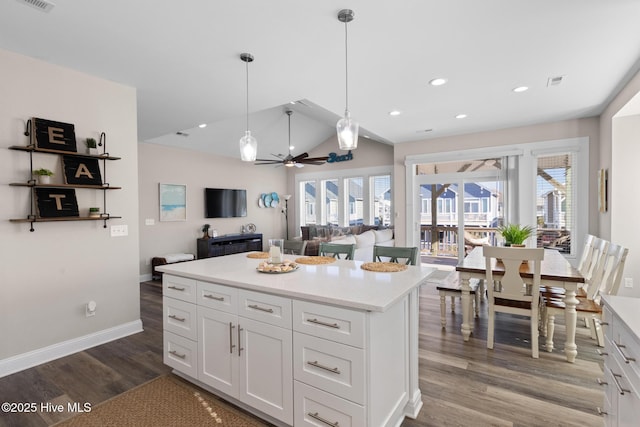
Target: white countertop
point(341, 283)
point(627, 309)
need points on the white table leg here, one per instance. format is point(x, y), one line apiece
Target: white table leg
point(570, 318)
point(466, 301)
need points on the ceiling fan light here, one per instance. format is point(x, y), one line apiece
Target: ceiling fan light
point(347, 130)
point(248, 147)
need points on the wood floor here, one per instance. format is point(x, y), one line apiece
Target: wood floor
point(463, 384)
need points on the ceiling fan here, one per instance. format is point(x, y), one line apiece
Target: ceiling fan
point(290, 160)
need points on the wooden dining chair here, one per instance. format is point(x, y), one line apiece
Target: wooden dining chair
point(338, 251)
point(606, 280)
point(295, 247)
point(508, 293)
point(399, 254)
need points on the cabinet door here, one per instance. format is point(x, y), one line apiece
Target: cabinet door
point(266, 378)
point(218, 351)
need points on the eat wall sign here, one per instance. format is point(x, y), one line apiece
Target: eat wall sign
point(53, 135)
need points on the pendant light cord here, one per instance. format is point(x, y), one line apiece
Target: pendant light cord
point(346, 68)
point(247, 67)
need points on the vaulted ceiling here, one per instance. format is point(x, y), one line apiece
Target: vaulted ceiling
point(184, 59)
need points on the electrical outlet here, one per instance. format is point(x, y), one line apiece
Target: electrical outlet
point(628, 282)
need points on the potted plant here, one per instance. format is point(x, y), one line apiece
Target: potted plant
point(205, 230)
point(94, 212)
point(515, 234)
point(92, 146)
point(44, 175)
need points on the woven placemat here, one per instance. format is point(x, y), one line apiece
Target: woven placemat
point(315, 260)
point(167, 401)
point(258, 255)
point(383, 267)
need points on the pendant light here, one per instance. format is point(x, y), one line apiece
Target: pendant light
point(346, 127)
point(248, 144)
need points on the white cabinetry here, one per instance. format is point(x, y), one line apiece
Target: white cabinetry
point(236, 341)
point(621, 324)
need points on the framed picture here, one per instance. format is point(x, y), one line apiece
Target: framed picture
point(603, 196)
point(173, 202)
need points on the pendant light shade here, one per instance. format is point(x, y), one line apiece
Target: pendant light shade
point(347, 128)
point(248, 143)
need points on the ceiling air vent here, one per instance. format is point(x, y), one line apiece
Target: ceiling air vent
point(44, 6)
point(554, 81)
point(179, 133)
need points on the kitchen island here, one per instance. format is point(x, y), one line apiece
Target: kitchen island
point(327, 344)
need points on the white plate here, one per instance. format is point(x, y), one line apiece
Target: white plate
point(261, 203)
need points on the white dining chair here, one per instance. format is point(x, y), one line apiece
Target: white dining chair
point(606, 280)
point(508, 292)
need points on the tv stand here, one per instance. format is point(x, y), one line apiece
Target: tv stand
point(229, 244)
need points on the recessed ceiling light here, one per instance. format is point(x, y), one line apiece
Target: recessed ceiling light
point(438, 82)
point(395, 113)
point(520, 89)
point(424, 130)
point(461, 116)
point(203, 125)
point(367, 136)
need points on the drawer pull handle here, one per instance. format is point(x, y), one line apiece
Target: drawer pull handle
point(326, 368)
point(176, 354)
point(601, 412)
point(179, 319)
point(615, 380)
point(213, 297)
point(239, 344)
point(601, 353)
point(602, 323)
point(318, 322)
point(231, 344)
point(322, 420)
point(257, 307)
point(175, 288)
point(626, 358)
point(600, 382)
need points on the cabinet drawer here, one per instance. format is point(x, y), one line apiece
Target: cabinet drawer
point(266, 308)
point(179, 288)
point(626, 350)
point(181, 354)
point(219, 297)
point(329, 366)
point(315, 407)
point(332, 323)
point(179, 317)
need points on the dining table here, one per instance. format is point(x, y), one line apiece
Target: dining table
point(555, 270)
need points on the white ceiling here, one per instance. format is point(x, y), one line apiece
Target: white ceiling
point(183, 58)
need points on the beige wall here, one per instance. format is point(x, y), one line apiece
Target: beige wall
point(168, 165)
point(526, 134)
point(47, 277)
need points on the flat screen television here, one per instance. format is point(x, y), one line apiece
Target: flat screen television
point(224, 203)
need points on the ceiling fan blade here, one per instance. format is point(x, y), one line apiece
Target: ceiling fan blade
point(307, 162)
point(300, 156)
point(269, 162)
point(317, 159)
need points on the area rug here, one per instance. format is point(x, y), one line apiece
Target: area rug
point(166, 401)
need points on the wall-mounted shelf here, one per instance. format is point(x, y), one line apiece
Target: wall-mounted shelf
point(33, 184)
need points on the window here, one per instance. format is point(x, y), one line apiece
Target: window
point(554, 201)
point(345, 197)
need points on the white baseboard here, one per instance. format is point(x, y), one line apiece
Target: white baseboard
point(42, 355)
point(145, 277)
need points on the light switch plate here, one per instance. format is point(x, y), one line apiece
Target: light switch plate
point(149, 221)
point(628, 282)
point(119, 230)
